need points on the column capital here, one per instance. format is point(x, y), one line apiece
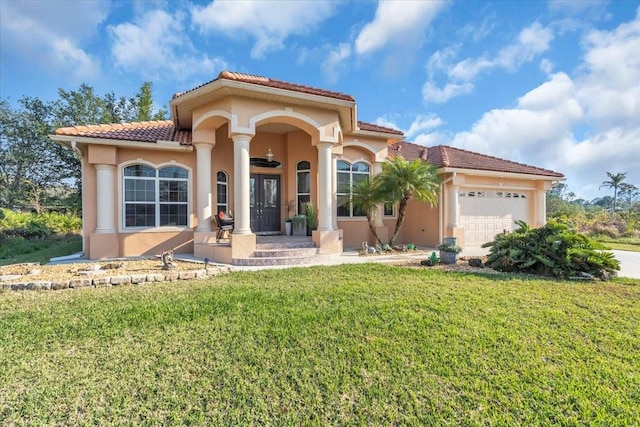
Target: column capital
point(246, 137)
point(204, 145)
point(102, 167)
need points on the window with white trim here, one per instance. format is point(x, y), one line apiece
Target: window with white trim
point(389, 209)
point(303, 185)
point(222, 192)
point(155, 197)
point(348, 176)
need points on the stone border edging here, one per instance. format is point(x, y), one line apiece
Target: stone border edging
point(135, 279)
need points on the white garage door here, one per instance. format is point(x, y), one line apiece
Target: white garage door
point(483, 214)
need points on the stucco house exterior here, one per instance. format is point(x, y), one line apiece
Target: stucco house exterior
point(257, 148)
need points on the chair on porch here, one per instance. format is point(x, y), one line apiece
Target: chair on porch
point(224, 226)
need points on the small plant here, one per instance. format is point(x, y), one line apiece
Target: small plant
point(310, 212)
point(410, 247)
point(299, 222)
point(447, 247)
point(434, 258)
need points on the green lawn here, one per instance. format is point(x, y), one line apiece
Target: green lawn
point(43, 250)
point(354, 344)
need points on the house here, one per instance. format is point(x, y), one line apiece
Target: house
point(258, 148)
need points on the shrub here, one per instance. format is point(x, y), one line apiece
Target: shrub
point(553, 250)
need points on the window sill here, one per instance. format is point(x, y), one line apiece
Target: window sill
point(169, 229)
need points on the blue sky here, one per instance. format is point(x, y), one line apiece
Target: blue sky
point(554, 84)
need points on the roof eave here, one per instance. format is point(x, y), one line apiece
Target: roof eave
point(144, 145)
point(482, 172)
point(347, 108)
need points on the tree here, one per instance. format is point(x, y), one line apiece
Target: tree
point(367, 197)
point(630, 194)
point(401, 181)
point(29, 164)
point(614, 182)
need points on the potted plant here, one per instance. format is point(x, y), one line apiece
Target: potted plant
point(287, 226)
point(312, 221)
point(449, 252)
point(299, 225)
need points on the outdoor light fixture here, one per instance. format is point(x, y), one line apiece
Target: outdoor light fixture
point(269, 155)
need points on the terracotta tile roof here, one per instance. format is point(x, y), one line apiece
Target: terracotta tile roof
point(137, 131)
point(376, 128)
point(447, 156)
point(278, 84)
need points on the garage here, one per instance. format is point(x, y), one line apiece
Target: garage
point(485, 213)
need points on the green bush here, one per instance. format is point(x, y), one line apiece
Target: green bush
point(553, 250)
point(44, 224)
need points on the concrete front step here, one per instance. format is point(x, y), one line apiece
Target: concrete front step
point(288, 260)
point(285, 245)
point(285, 252)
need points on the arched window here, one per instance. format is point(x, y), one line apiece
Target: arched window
point(303, 185)
point(222, 191)
point(155, 197)
point(349, 175)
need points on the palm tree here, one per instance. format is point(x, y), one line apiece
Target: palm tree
point(366, 197)
point(614, 181)
point(401, 181)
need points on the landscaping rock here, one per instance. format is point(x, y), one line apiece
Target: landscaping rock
point(120, 280)
point(200, 273)
point(476, 262)
point(186, 275)
point(63, 284)
point(155, 277)
point(18, 286)
point(138, 278)
point(80, 283)
point(101, 281)
point(170, 277)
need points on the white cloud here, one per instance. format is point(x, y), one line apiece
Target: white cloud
point(603, 101)
point(422, 123)
point(432, 93)
point(156, 45)
point(546, 66)
point(398, 22)
point(531, 131)
point(50, 33)
point(269, 22)
point(532, 41)
point(610, 80)
point(334, 63)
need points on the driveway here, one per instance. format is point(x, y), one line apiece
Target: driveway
point(629, 261)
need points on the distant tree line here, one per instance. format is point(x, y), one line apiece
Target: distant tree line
point(616, 215)
point(38, 174)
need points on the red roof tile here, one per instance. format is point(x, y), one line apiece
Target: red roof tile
point(376, 128)
point(137, 131)
point(447, 156)
point(278, 84)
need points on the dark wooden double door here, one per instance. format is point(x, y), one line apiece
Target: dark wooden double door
point(264, 201)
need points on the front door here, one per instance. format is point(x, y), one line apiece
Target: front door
point(265, 203)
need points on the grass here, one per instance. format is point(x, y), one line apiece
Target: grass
point(354, 345)
point(623, 244)
point(42, 250)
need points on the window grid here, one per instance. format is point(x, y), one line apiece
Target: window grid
point(303, 185)
point(155, 197)
point(348, 176)
point(222, 193)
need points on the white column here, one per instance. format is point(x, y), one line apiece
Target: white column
point(454, 206)
point(541, 206)
point(377, 168)
point(325, 196)
point(105, 200)
point(241, 174)
point(203, 180)
point(334, 189)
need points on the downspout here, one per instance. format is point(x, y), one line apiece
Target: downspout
point(441, 207)
point(80, 155)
